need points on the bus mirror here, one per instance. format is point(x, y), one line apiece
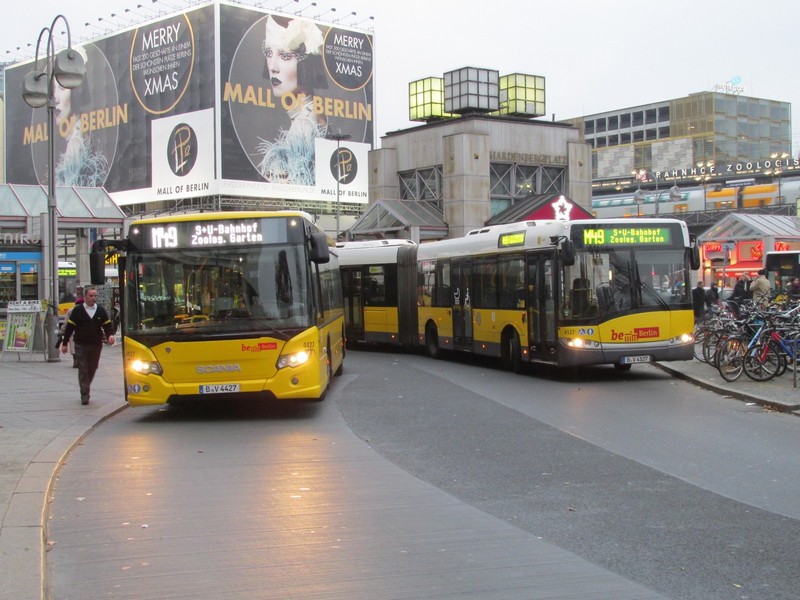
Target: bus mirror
point(320, 253)
point(567, 253)
point(694, 257)
point(97, 267)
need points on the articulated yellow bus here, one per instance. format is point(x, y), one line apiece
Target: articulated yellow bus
point(227, 304)
point(568, 293)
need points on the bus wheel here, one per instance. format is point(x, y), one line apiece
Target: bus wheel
point(511, 357)
point(432, 341)
point(340, 370)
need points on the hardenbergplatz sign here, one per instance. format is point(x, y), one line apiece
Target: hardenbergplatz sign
point(220, 99)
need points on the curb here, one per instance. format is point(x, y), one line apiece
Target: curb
point(25, 525)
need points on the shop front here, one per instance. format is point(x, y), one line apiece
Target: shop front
point(739, 243)
point(83, 214)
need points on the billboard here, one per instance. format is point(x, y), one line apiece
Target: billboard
point(217, 100)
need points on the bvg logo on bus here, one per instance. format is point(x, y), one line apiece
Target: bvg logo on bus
point(260, 347)
point(638, 334)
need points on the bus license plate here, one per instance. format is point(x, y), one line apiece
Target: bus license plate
point(219, 388)
point(630, 360)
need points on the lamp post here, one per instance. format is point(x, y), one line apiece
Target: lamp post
point(66, 68)
point(638, 196)
point(339, 137)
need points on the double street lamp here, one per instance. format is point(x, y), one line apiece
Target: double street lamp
point(67, 69)
point(638, 196)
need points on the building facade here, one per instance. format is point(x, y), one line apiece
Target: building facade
point(481, 151)
point(679, 139)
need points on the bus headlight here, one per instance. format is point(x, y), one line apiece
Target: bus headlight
point(146, 366)
point(294, 359)
point(580, 343)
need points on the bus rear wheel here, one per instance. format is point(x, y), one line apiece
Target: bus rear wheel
point(511, 356)
point(432, 341)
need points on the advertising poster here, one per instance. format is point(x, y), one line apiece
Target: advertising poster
point(103, 127)
point(191, 106)
point(289, 85)
point(21, 321)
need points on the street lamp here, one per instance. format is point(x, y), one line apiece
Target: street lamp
point(339, 137)
point(638, 196)
point(68, 69)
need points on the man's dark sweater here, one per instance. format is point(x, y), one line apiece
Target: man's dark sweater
point(88, 330)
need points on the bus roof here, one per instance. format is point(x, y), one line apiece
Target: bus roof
point(218, 215)
point(370, 252)
point(538, 234)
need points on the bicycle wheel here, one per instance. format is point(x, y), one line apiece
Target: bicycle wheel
point(710, 345)
point(730, 358)
point(699, 338)
point(762, 362)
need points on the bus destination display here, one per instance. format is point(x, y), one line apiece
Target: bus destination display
point(627, 236)
point(212, 234)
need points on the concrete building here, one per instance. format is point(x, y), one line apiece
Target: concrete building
point(475, 156)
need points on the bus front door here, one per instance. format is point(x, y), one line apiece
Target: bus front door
point(353, 305)
point(462, 304)
point(541, 306)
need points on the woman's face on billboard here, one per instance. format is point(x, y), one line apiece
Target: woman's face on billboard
point(282, 67)
point(63, 102)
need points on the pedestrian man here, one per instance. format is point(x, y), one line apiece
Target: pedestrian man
point(89, 324)
point(699, 300)
point(761, 288)
point(712, 296)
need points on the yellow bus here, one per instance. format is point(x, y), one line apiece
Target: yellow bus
point(371, 291)
point(229, 304)
point(567, 293)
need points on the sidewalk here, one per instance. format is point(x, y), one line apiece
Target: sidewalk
point(778, 394)
point(41, 419)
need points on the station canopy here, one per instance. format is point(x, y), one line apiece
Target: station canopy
point(737, 227)
point(78, 207)
point(389, 218)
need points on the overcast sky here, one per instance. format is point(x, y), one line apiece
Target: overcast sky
point(595, 55)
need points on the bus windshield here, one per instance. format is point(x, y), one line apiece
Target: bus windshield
point(246, 289)
point(614, 280)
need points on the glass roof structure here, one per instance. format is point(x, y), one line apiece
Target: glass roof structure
point(79, 206)
point(391, 216)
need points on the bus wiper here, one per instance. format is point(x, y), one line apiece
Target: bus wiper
point(278, 333)
point(652, 293)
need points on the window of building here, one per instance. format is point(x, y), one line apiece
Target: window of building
point(601, 142)
point(651, 134)
point(625, 120)
point(588, 127)
point(422, 185)
point(613, 140)
point(650, 116)
point(638, 136)
point(663, 132)
point(601, 124)
point(663, 114)
point(512, 182)
point(613, 123)
point(500, 179)
point(638, 118)
point(624, 138)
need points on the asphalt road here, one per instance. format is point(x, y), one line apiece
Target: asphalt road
point(437, 479)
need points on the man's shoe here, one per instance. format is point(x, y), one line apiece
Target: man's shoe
point(84, 400)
